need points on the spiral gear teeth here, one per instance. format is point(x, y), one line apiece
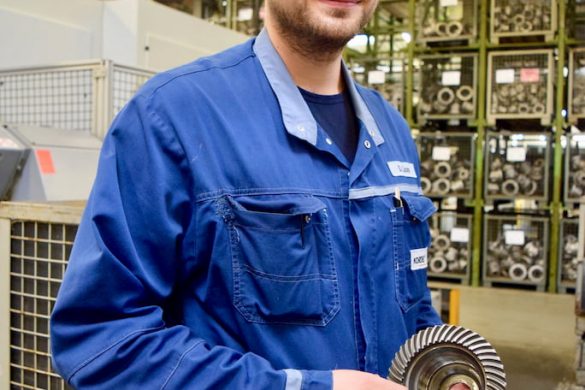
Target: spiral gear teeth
point(492, 367)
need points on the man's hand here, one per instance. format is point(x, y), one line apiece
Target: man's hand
point(357, 380)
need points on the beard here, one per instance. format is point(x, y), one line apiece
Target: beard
point(316, 37)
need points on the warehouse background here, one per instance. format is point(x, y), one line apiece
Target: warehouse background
point(494, 91)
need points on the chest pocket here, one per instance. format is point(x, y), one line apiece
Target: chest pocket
point(411, 241)
point(282, 260)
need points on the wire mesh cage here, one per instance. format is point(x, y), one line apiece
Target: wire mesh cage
point(446, 20)
point(515, 250)
point(521, 18)
point(568, 254)
point(448, 84)
point(520, 85)
point(83, 96)
point(517, 166)
point(576, 84)
point(386, 75)
point(450, 251)
point(574, 177)
point(575, 19)
point(447, 163)
point(40, 241)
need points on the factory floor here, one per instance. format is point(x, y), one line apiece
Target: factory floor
point(534, 333)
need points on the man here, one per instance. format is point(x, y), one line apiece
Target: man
point(231, 241)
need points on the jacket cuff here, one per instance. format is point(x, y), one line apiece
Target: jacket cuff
point(308, 380)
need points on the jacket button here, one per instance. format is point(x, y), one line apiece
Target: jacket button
point(367, 144)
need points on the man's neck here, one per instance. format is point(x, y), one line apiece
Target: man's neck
point(320, 74)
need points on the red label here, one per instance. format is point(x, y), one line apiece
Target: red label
point(45, 161)
point(529, 75)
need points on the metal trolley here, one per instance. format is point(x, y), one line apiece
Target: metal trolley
point(35, 243)
point(518, 18)
point(574, 173)
point(576, 84)
point(81, 96)
point(568, 255)
point(515, 250)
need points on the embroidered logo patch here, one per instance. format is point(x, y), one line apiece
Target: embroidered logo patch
point(418, 259)
point(401, 168)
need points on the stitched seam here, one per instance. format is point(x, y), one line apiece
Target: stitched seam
point(269, 191)
point(166, 382)
point(94, 357)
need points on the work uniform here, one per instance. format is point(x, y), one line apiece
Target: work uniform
point(228, 243)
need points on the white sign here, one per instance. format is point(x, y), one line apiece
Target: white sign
point(504, 76)
point(401, 168)
point(447, 3)
point(514, 237)
point(514, 154)
point(245, 14)
point(441, 153)
point(460, 235)
point(418, 259)
point(376, 77)
point(7, 143)
point(451, 78)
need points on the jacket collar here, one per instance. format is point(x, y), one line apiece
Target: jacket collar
point(296, 115)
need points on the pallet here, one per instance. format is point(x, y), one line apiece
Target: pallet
point(517, 286)
point(566, 289)
point(461, 280)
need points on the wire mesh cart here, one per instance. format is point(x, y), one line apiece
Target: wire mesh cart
point(35, 243)
point(386, 75)
point(446, 20)
point(574, 173)
point(521, 18)
point(520, 85)
point(576, 84)
point(83, 96)
point(515, 250)
point(568, 255)
point(447, 163)
point(517, 166)
point(449, 86)
point(450, 251)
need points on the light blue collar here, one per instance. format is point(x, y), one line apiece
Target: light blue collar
point(296, 114)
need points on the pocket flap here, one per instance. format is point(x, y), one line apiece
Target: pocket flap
point(419, 206)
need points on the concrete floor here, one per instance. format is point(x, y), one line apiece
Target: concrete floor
point(534, 333)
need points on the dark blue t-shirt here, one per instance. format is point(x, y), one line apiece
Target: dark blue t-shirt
point(336, 116)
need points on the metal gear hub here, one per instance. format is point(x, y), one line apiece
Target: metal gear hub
point(439, 357)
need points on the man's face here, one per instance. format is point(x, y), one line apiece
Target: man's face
point(332, 23)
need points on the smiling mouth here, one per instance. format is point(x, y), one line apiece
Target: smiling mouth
point(341, 3)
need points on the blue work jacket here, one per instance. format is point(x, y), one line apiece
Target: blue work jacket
point(228, 244)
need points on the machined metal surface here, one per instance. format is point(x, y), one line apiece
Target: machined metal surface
point(439, 357)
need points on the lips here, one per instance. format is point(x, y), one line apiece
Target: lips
point(341, 3)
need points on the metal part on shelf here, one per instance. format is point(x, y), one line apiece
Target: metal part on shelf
point(439, 357)
point(568, 253)
point(521, 18)
point(515, 249)
point(516, 165)
point(446, 168)
point(447, 84)
point(440, 22)
point(520, 85)
point(576, 84)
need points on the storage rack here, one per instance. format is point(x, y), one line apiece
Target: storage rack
point(554, 44)
point(568, 255)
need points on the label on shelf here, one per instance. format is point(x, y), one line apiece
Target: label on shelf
point(245, 14)
point(460, 235)
point(441, 153)
point(514, 154)
point(504, 76)
point(447, 3)
point(451, 78)
point(530, 75)
point(514, 237)
point(376, 77)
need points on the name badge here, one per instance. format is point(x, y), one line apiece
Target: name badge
point(401, 168)
point(418, 259)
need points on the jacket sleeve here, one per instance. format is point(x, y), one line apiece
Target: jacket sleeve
point(107, 327)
